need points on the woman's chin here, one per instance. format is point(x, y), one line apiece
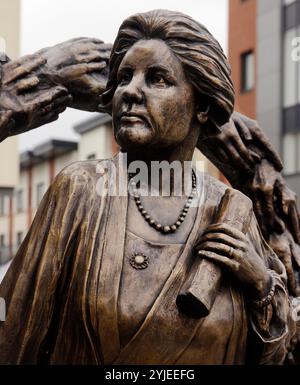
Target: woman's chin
point(133, 137)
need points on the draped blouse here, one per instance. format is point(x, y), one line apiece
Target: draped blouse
point(66, 289)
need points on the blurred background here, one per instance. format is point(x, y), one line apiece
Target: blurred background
point(256, 35)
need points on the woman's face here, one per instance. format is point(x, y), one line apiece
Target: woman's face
point(153, 104)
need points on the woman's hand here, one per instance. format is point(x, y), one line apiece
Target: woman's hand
point(6, 124)
point(230, 248)
point(26, 100)
point(288, 251)
point(80, 65)
point(251, 133)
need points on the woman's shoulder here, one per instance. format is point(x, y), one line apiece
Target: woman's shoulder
point(80, 175)
point(83, 169)
point(215, 189)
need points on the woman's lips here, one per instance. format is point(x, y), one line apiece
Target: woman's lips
point(133, 119)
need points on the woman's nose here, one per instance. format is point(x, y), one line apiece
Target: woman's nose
point(133, 92)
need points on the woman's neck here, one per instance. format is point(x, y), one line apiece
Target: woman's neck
point(164, 170)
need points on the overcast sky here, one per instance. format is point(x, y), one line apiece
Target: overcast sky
point(48, 22)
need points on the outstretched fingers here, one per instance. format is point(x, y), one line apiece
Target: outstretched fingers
point(241, 127)
point(264, 142)
point(27, 84)
point(60, 102)
point(78, 70)
point(294, 219)
point(22, 67)
point(51, 95)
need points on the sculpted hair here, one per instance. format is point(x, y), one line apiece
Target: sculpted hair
point(203, 59)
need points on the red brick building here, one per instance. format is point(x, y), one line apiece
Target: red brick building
point(242, 53)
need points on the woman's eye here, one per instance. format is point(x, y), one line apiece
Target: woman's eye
point(159, 80)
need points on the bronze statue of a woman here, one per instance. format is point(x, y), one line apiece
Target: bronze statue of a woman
point(97, 277)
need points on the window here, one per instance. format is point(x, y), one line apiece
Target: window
point(20, 199)
point(290, 153)
point(2, 240)
point(2, 48)
point(40, 188)
point(291, 14)
point(19, 238)
point(2, 205)
point(290, 90)
point(247, 63)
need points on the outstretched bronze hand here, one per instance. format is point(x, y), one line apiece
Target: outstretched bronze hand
point(80, 65)
point(27, 100)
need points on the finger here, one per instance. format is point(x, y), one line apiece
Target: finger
point(242, 128)
point(87, 57)
point(46, 118)
point(50, 95)
point(221, 238)
point(266, 197)
point(61, 102)
point(279, 225)
point(27, 84)
point(260, 216)
point(263, 197)
point(264, 142)
point(5, 116)
point(242, 150)
point(81, 69)
point(105, 46)
point(219, 248)
point(287, 261)
point(295, 250)
point(226, 229)
point(105, 55)
point(294, 219)
point(255, 156)
point(214, 257)
point(6, 124)
point(233, 153)
point(103, 52)
point(95, 67)
point(24, 67)
point(221, 152)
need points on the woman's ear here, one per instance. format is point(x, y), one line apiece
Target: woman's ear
point(202, 116)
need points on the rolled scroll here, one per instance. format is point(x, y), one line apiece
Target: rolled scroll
point(199, 291)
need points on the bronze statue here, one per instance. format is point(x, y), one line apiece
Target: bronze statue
point(99, 277)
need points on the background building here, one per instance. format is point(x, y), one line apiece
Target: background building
point(267, 79)
point(9, 159)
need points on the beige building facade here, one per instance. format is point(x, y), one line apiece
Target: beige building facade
point(10, 43)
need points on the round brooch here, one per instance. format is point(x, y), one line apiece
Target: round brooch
point(139, 261)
